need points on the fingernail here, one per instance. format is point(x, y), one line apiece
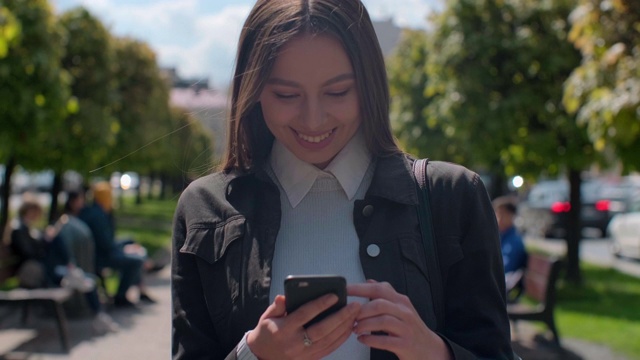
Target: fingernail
point(332, 298)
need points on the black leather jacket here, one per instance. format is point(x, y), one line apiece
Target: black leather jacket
point(225, 229)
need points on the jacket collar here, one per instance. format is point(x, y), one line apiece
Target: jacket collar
point(392, 179)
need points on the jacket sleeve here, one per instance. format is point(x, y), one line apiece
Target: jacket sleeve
point(101, 229)
point(25, 246)
point(193, 335)
point(476, 322)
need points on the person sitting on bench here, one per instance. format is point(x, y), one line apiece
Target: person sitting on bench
point(514, 254)
point(45, 261)
point(126, 257)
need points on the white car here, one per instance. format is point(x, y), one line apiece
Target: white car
point(624, 230)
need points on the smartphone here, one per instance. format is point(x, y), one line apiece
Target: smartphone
point(300, 289)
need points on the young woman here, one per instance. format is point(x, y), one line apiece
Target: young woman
point(313, 183)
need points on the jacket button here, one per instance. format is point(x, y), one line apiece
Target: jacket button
point(367, 210)
point(373, 250)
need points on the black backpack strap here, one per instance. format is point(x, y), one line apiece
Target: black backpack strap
point(428, 239)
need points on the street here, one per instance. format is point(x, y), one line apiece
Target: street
point(593, 250)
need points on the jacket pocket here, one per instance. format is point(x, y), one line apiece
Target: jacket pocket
point(412, 250)
point(210, 241)
point(449, 253)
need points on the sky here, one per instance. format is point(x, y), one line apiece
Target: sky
point(199, 37)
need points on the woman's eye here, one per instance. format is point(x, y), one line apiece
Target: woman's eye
point(286, 96)
point(338, 93)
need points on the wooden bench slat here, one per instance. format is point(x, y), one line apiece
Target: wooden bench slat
point(55, 294)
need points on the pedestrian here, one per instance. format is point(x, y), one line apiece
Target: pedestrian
point(514, 253)
point(314, 183)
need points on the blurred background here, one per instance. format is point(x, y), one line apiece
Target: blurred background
point(540, 97)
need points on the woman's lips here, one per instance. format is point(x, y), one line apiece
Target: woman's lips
point(315, 139)
point(315, 142)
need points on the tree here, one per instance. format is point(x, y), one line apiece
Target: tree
point(85, 137)
point(407, 81)
point(34, 96)
point(496, 86)
point(143, 107)
point(604, 90)
point(190, 150)
point(9, 31)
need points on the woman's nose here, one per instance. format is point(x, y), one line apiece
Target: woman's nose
point(314, 115)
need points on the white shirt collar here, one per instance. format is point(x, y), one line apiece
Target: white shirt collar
point(297, 177)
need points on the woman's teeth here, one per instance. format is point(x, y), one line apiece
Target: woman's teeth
point(315, 139)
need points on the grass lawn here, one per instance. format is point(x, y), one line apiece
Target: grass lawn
point(148, 223)
point(605, 310)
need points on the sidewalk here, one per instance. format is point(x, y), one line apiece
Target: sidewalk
point(146, 334)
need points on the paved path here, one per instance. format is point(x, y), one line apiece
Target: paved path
point(145, 334)
point(595, 251)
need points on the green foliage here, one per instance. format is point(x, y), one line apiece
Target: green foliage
point(9, 31)
point(143, 107)
point(604, 90)
point(407, 81)
point(35, 89)
point(190, 147)
point(87, 135)
point(496, 88)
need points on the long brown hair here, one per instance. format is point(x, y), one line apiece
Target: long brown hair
point(270, 25)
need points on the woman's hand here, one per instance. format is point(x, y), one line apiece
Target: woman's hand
point(406, 335)
point(282, 337)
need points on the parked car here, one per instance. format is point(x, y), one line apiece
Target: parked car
point(624, 231)
point(546, 209)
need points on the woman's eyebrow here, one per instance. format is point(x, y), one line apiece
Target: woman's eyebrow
point(333, 80)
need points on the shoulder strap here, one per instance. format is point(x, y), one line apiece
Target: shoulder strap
point(428, 239)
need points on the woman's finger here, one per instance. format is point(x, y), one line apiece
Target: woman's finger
point(387, 324)
point(276, 309)
point(327, 328)
point(374, 290)
point(310, 310)
point(332, 332)
point(380, 307)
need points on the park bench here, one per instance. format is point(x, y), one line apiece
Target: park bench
point(53, 298)
point(540, 277)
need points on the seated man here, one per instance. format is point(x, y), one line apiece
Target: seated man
point(514, 254)
point(76, 234)
point(45, 260)
point(127, 257)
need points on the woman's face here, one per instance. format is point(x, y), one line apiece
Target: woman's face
point(310, 101)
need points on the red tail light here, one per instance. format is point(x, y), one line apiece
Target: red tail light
point(559, 207)
point(603, 205)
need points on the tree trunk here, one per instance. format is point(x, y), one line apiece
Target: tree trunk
point(498, 185)
point(163, 186)
point(152, 180)
point(574, 229)
point(56, 187)
point(6, 193)
point(138, 195)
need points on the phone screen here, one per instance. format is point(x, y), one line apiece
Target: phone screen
point(300, 289)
